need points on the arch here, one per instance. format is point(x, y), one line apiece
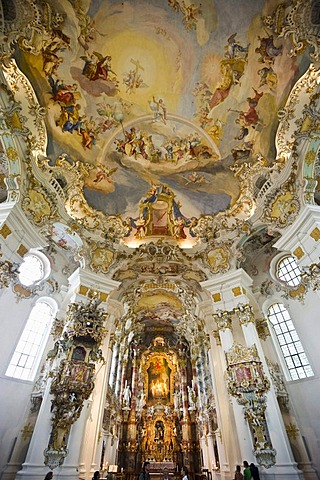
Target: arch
point(146, 118)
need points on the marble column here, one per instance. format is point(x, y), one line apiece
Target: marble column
point(285, 464)
point(224, 326)
point(222, 404)
point(34, 466)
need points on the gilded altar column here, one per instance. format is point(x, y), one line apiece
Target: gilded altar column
point(134, 380)
point(184, 392)
point(185, 421)
point(132, 445)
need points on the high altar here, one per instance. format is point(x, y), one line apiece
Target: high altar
point(159, 425)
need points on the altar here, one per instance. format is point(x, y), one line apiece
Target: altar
point(158, 467)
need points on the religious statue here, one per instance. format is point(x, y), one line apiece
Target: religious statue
point(142, 400)
point(191, 398)
point(159, 431)
point(126, 396)
point(176, 400)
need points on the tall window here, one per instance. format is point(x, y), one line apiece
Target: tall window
point(28, 352)
point(289, 341)
point(288, 271)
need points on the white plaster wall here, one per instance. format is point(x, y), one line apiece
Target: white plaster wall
point(14, 394)
point(305, 394)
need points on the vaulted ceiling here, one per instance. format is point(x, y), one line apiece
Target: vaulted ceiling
point(150, 126)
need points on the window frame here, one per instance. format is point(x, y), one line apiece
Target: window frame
point(277, 345)
point(274, 266)
point(40, 347)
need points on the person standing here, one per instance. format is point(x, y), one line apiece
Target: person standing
point(254, 472)
point(184, 473)
point(145, 475)
point(237, 474)
point(246, 471)
point(96, 475)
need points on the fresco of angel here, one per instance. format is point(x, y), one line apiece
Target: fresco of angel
point(159, 110)
point(133, 79)
point(97, 66)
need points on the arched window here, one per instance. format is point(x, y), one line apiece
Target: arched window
point(288, 271)
point(34, 268)
point(296, 360)
point(27, 355)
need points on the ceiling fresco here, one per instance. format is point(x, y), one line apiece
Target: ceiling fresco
point(159, 93)
point(160, 138)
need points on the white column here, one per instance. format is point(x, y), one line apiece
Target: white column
point(69, 470)
point(90, 435)
point(97, 456)
point(224, 412)
point(34, 466)
point(285, 465)
point(92, 443)
point(242, 427)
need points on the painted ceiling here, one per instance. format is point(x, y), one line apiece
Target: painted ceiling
point(160, 120)
point(160, 92)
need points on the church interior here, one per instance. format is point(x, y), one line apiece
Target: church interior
point(159, 238)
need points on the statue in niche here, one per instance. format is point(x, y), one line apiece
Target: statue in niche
point(191, 397)
point(126, 396)
point(159, 431)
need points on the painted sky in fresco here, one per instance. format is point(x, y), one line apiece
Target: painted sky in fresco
point(164, 92)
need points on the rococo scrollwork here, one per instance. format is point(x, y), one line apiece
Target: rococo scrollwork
point(75, 355)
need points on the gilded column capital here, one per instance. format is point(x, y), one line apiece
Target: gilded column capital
point(216, 336)
point(223, 319)
point(245, 314)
